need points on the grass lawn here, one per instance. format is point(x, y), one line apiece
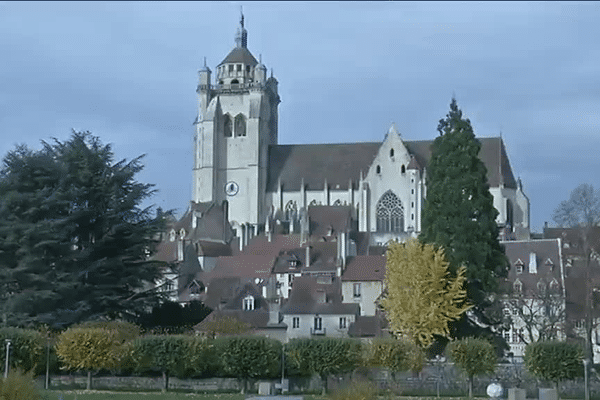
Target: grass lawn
point(101, 395)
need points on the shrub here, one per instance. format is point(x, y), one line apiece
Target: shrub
point(325, 357)
point(395, 355)
point(249, 357)
point(89, 349)
point(474, 356)
point(165, 353)
point(554, 361)
point(356, 391)
point(26, 350)
point(19, 386)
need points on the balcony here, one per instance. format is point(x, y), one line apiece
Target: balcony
point(317, 332)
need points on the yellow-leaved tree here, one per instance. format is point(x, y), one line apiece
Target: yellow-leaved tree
point(421, 297)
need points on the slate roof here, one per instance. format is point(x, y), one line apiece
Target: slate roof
point(341, 163)
point(365, 268)
point(240, 55)
point(547, 249)
point(322, 218)
point(367, 326)
point(307, 298)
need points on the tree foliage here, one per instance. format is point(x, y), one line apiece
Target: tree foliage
point(26, 350)
point(324, 357)
point(165, 353)
point(225, 325)
point(89, 349)
point(422, 299)
point(474, 356)
point(581, 210)
point(19, 386)
point(247, 357)
point(74, 242)
point(542, 313)
point(554, 361)
point(459, 216)
point(393, 354)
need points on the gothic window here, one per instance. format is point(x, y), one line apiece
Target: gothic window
point(240, 125)
point(227, 129)
point(391, 152)
point(390, 213)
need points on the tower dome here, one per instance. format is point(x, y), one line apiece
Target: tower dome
point(238, 66)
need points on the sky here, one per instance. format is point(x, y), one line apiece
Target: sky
point(127, 72)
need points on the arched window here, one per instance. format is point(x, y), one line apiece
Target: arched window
point(240, 125)
point(390, 213)
point(248, 303)
point(227, 129)
point(517, 287)
point(391, 152)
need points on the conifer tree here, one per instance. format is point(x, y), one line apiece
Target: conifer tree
point(74, 242)
point(459, 213)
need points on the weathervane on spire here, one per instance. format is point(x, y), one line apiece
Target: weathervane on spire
point(241, 37)
point(242, 19)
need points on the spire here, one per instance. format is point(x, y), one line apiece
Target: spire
point(241, 36)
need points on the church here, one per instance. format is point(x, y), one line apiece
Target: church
point(292, 238)
point(239, 164)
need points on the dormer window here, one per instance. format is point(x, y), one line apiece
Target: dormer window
point(172, 235)
point(541, 286)
point(519, 269)
point(518, 287)
point(248, 304)
point(549, 262)
point(554, 286)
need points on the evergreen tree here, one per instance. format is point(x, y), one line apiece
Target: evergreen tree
point(74, 242)
point(459, 214)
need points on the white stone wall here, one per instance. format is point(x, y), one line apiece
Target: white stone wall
point(330, 325)
point(370, 291)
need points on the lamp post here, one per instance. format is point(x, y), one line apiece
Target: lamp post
point(8, 341)
point(586, 378)
point(283, 366)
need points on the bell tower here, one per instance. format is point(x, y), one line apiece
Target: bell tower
point(237, 121)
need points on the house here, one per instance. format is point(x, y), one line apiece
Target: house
point(535, 302)
point(362, 282)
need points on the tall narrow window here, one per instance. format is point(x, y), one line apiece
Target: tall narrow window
point(356, 289)
point(318, 323)
point(390, 213)
point(296, 322)
point(240, 125)
point(391, 152)
point(342, 322)
point(248, 303)
point(227, 131)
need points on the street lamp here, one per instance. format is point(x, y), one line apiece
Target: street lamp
point(586, 378)
point(8, 341)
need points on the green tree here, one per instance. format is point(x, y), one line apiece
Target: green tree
point(249, 357)
point(89, 349)
point(421, 298)
point(474, 356)
point(393, 354)
point(324, 357)
point(459, 216)
point(26, 350)
point(165, 353)
point(74, 242)
point(554, 361)
point(19, 386)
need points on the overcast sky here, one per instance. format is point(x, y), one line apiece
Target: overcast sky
point(127, 72)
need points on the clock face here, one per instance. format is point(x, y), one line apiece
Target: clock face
point(231, 188)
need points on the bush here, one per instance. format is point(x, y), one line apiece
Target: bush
point(26, 350)
point(249, 357)
point(19, 386)
point(554, 361)
point(474, 356)
point(395, 355)
point(356, 391)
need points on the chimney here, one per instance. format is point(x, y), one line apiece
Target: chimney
point(307, 261)
point(344, 247)
point(532, 263)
